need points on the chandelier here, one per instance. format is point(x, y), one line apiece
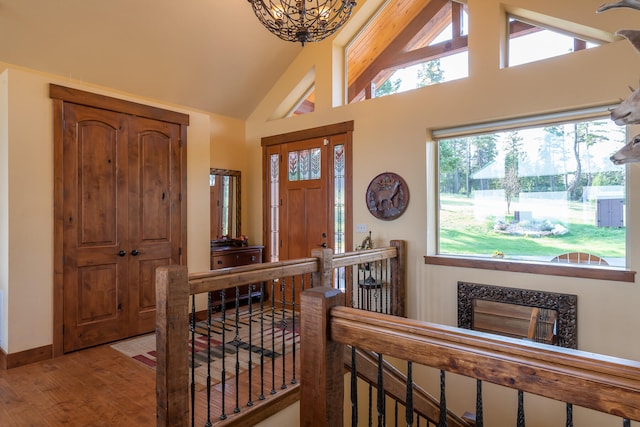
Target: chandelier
point(302, 20)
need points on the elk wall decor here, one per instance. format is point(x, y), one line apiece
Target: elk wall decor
point(387, 196)
point(628, 112)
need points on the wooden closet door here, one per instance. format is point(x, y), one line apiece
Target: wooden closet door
point(95, 252)
point(122, 203)
point(154, 212)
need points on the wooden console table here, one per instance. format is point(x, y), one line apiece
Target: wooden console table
point(229, 256)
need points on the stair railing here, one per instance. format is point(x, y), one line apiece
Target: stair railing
point(602, 383)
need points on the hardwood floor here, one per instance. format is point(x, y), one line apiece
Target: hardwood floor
point(102, 387)
point(94, 387)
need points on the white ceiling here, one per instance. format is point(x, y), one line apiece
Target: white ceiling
point(211, 55)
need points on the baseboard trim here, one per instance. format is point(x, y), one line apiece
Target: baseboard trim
point(26, 357)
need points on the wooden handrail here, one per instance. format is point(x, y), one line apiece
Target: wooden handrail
point(602, 383)
point(226, 278)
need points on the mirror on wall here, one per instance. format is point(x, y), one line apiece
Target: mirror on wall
point(224, 188)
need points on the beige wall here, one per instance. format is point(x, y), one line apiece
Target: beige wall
point(4, 204)
point(26, 157)
point(392, 134)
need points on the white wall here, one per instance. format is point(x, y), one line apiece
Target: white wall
point(392, 134)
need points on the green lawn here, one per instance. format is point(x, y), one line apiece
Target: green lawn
point(462, 233)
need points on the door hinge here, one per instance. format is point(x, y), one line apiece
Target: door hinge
point(180, 143)
point(180, 197)
point(180, 251)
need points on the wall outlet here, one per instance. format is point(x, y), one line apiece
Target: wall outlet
point(361, 228)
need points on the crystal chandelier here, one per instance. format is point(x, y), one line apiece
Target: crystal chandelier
point(302, 20)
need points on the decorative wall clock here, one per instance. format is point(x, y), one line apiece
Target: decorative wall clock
point(387, 196)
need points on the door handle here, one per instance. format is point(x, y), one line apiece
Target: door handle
point(135, 252)
point(122, 253)
point(324, 244)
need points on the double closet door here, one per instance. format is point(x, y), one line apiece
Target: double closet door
point(121, 213)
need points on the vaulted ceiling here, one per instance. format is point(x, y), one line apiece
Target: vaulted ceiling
point(211, 55)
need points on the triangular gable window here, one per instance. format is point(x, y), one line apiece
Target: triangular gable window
point(530, 42)
point(407, 45)
point(300, 100)
point(307, 104)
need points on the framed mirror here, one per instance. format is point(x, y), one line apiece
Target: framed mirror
point(224, 188)
point(548, 317)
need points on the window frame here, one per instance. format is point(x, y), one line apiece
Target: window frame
point(516, 266)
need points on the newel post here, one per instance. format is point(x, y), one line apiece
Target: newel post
point(398, 275)
point(172, 346)
point(322, 376)
point(324, 275)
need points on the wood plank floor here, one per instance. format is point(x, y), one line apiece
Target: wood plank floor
point(94, 387)
point(102, 387)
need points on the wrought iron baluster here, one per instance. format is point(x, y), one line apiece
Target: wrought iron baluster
point(354, 389)
point(293, 327)
point(262, 289)
point(520, 421)
point(479, 409)
point(409, 397)
point(380, 403)
point(395, 413)
point(208, 423)
point(443, 402)
point(223, 373)
point(283, 331)
point(385, 280)
point(569, 410)
point(359, 288)
point(192, 327)
point(378, 288)
point(236, 344)
point(352, 285)
point(250, 367)
point(273, 337)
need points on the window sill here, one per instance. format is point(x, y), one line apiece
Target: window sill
point(568, 270)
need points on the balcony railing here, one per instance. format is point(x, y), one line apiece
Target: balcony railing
point(202, 379)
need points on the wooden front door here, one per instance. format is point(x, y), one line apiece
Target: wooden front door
point(305, 204)
point(122, 218)
point(308, 191)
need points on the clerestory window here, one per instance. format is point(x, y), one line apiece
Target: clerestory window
point(409, 44)
point(530, 42)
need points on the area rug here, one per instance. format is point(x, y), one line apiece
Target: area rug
point(236, 341)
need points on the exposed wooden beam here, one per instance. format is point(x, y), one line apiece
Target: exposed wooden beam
point(401, 41)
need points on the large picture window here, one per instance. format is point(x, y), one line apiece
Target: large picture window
point(547, 193)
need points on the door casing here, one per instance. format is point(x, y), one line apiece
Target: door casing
point(60, 95)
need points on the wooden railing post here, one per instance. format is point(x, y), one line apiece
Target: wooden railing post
point(322, 376)
point(172, 346)
point(399, 285)
point(324, 276)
